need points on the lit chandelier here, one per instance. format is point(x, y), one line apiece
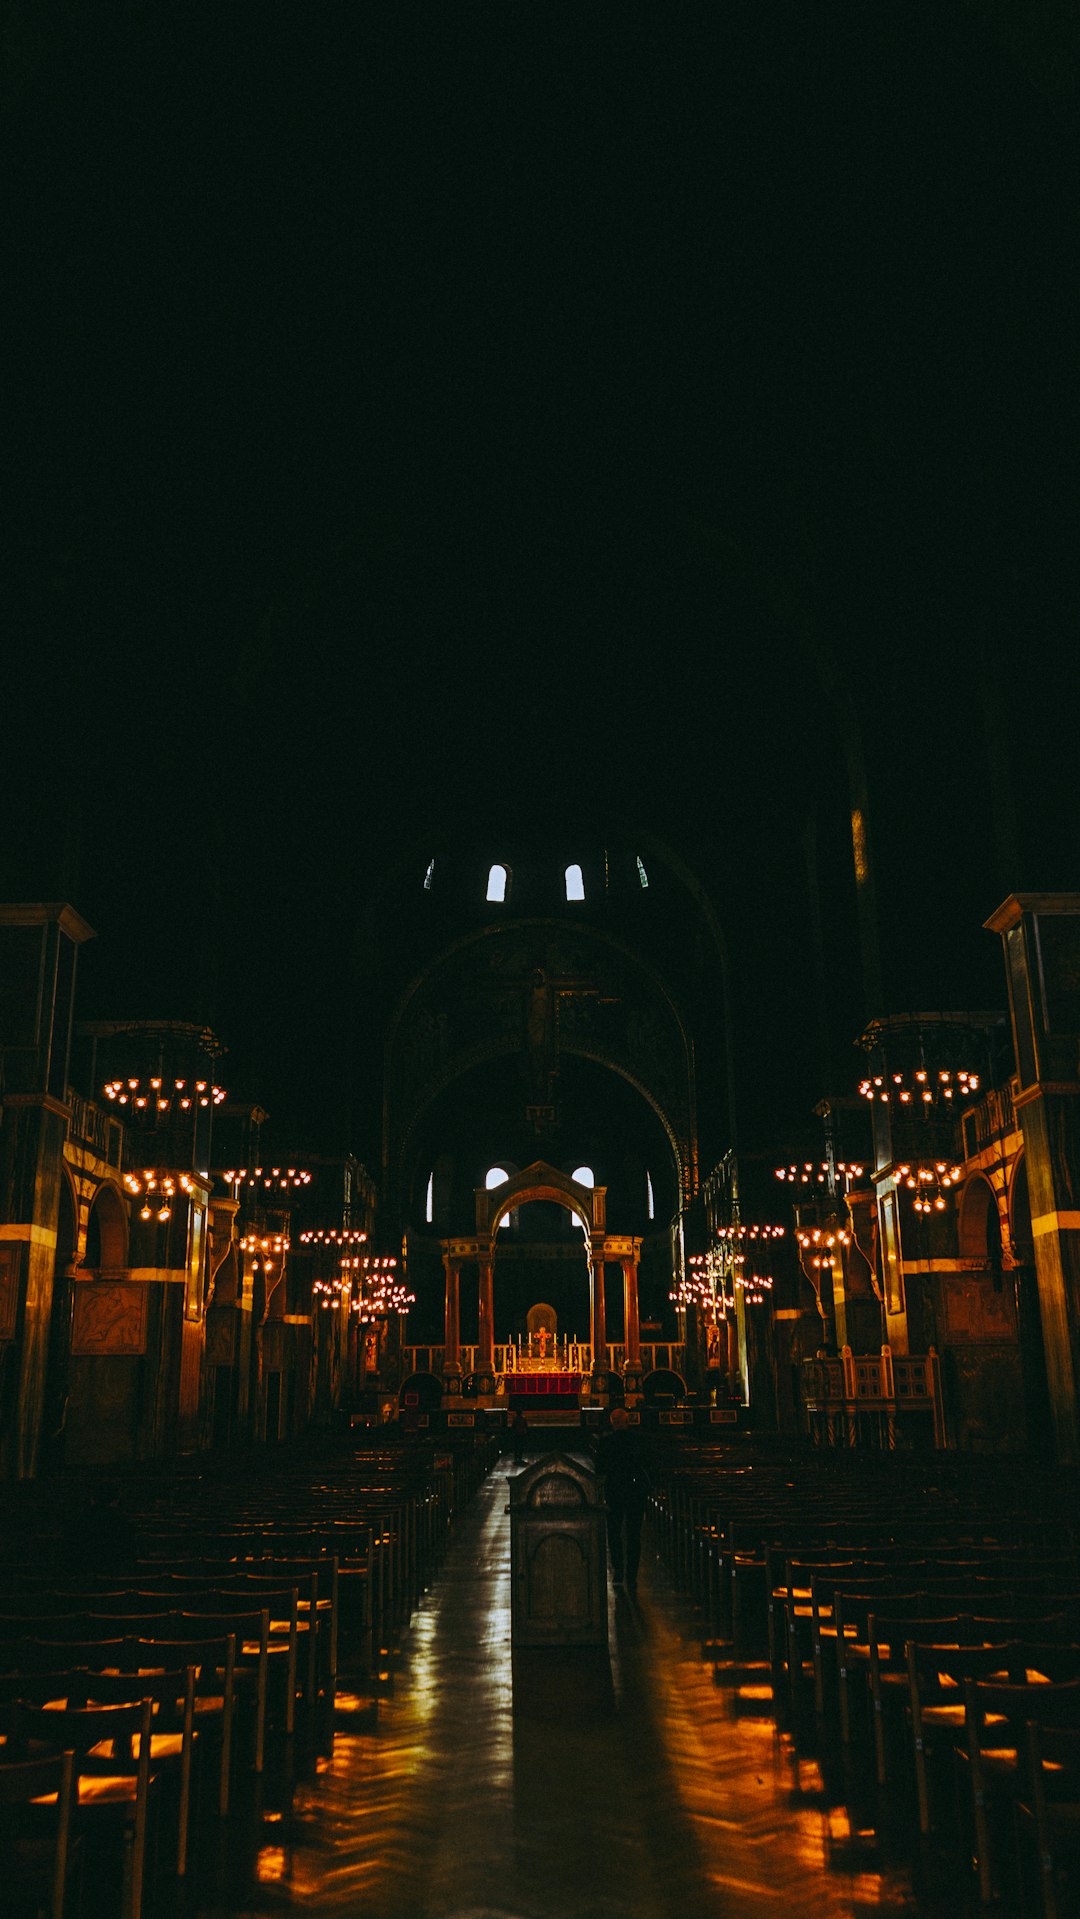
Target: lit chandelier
point(269, 1179)
point(333, 1236)
point(823, 1244)
point(146, 1097)
point(265, 1243)
point(929, 1180)
point(379, 1293)
point(693, 1288)
point(815, 1172)
point(754, 1287)
point(750, 1232)
point(330, 1292)
point(921, 1088)
point(157, 1191)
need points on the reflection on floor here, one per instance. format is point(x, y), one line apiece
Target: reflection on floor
point(639, 1788)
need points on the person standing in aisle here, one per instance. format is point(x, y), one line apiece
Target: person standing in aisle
point(620, 1460)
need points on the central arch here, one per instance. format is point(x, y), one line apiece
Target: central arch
point(588, 1204)
point(540, 1181)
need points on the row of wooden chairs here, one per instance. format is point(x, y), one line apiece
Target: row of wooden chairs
point(194, 1636)
point(943, 1632)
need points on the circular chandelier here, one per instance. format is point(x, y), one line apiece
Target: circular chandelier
point(693, 1288)
point(750, 1232)
point(267, 1179)
point(929, 1180)
point(815, 1172)
point(157, 1191)
point(379, 1292)
point(920, 1088)
point(331, 1292)
point(146, 1096)
point(333, 1236)
point(754, 1287)
point(823, 1244)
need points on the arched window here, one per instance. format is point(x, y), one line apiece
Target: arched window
point(584, 1175)
point(498, 885)
point(495, 1176)
point(650, 1200)
point(641, 873)
point(504, 1221)
point(575, 883)
point(429, 876)
point(429, 1198)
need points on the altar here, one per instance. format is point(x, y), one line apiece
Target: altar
point(541, 1385)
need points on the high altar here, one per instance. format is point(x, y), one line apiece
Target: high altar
point(542, 1365)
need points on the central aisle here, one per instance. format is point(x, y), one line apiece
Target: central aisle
point(638, 1796)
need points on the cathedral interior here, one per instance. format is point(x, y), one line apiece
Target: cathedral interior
point(540, 967)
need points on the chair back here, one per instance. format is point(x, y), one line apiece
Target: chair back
point(23, 1785)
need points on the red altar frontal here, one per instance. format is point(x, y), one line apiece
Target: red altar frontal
point(532, 1386)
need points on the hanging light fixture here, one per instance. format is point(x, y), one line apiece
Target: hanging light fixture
point(333, 1236)
point(921, 1087)
point(268, 1179)
point(930, 1181)
point(145, 1098)
point(815, 1172)
point(157, 1190)
point(823, 1244)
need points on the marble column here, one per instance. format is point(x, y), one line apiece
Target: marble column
point(452, 1332)
point(631, 1316)
point(486, 1351)
point(598, 1316)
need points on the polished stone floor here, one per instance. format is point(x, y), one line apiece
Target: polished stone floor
point(639, 1787)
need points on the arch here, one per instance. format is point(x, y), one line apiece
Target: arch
point(663, 1384)
point(485, 1054)
point(498, 883)
point(396, 1142)
point(106, 1230)
point(539, 1181)
point(574, 881)
point(427, 1388)
point(979, 1227)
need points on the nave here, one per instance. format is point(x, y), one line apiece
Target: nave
point(631, 1784)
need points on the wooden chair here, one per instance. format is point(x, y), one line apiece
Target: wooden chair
point(112, 1744)
point(251, 1632)
point(1049, 1807)
point(37, 1798)
point(995, 1720)
point(173, 1733)
point(213, 1664)
point(936, 1676)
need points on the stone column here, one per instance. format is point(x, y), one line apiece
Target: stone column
point(1041, 938)
point(452, 1332)
point(485, 1358)
point(732, 1326)
point(38, 951)
point(598, 1317)
point(631, 1317)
